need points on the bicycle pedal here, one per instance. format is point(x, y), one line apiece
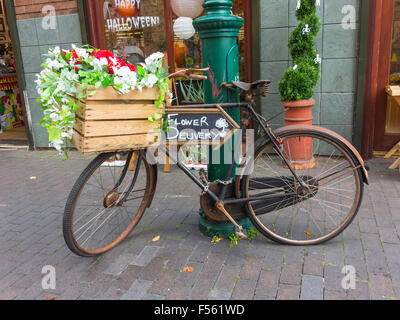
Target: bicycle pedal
point(241, 234)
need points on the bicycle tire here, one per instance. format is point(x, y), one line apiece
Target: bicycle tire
point(70, 207)
point(272, 235)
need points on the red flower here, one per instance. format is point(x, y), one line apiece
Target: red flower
point(73, 56)
point(113, 62)
point(104, 54)
point(132, 67)
point(110, 68)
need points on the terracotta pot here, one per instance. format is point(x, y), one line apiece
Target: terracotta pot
point(300, 153)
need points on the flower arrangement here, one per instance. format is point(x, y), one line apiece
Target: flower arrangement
point(70, 76)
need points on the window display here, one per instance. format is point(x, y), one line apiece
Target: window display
point(133, 28)
point(11, 114)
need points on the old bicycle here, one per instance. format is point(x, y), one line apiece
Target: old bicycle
point(287, 202)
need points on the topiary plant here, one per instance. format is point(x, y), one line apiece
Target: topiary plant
point(299, 81)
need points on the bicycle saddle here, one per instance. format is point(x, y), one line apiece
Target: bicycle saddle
point(245, 86)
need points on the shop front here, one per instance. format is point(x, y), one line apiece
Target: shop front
point(358, 44)
point(12, 124)
point(135, 29)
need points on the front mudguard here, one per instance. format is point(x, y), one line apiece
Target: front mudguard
point(153, 187)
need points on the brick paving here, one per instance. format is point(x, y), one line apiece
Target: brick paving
point(31, 237)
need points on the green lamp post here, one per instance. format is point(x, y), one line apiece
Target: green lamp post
point(218, 30)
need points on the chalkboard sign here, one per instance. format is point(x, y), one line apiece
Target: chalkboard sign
point(208, 125)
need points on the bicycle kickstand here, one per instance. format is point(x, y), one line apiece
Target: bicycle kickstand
point(238, 229)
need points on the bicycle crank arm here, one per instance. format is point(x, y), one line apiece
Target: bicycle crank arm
point(238, 229)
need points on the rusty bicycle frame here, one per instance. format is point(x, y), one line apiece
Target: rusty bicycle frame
point(225, 195)
point(221, 201)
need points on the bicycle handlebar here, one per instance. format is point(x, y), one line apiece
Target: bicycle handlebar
point(188, 74)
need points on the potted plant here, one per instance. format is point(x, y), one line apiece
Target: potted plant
point(298, 82)
point(191, 91)
point(99, 102)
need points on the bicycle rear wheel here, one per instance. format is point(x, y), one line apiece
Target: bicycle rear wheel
point(293, 216)
point(106, 202)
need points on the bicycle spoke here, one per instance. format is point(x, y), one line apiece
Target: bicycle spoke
point(101, 217)
point(315, 214)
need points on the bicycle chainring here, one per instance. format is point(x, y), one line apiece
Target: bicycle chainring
point(207, 204)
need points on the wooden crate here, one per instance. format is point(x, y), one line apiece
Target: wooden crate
point(110, 122)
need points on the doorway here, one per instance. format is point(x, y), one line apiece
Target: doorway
point(12, 121)
point(381, 107)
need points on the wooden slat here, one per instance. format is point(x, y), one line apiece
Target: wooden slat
point(395, 164)
point(116, 111)
point(393, 151)
point(110, 122)
point(191, 110)
point(109, 93)
point(112, 144)
point(77, 141)
point(114, 128)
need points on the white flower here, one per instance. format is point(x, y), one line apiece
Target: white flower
point(82, 53)
point(56, 51)
point(55, 117)
point(151, 81)
point(53, 64)
point(57, 145)
point(154, 58)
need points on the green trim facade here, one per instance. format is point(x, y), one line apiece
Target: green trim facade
point(339, 94)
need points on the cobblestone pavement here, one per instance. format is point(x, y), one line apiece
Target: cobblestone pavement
point(31, 237)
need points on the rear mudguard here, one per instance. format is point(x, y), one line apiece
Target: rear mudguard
point(345, 144)
point(358, 160)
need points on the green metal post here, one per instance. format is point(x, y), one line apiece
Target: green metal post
point(219, 30)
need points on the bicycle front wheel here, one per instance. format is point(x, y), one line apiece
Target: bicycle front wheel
point(296, 215)
point(106, 202)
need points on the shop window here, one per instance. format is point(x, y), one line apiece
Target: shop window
point(134, 28)
point(11, 112)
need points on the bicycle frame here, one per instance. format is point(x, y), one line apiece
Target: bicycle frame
point(205, 188)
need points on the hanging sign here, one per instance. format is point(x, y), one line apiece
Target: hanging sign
point(127, 22)
point(199, 125)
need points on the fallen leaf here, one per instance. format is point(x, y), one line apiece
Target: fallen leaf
point(187, 269)
point(216, 240)
point(309, 233)
point(33, 178)
point(156, 239)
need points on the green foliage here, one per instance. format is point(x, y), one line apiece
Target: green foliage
point(252, 233)
point(307, 8)
point(192, 90)
point(299, 81)
point(234, 240)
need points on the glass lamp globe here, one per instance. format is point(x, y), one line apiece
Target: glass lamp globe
point(187, 8)
point(183, 28)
